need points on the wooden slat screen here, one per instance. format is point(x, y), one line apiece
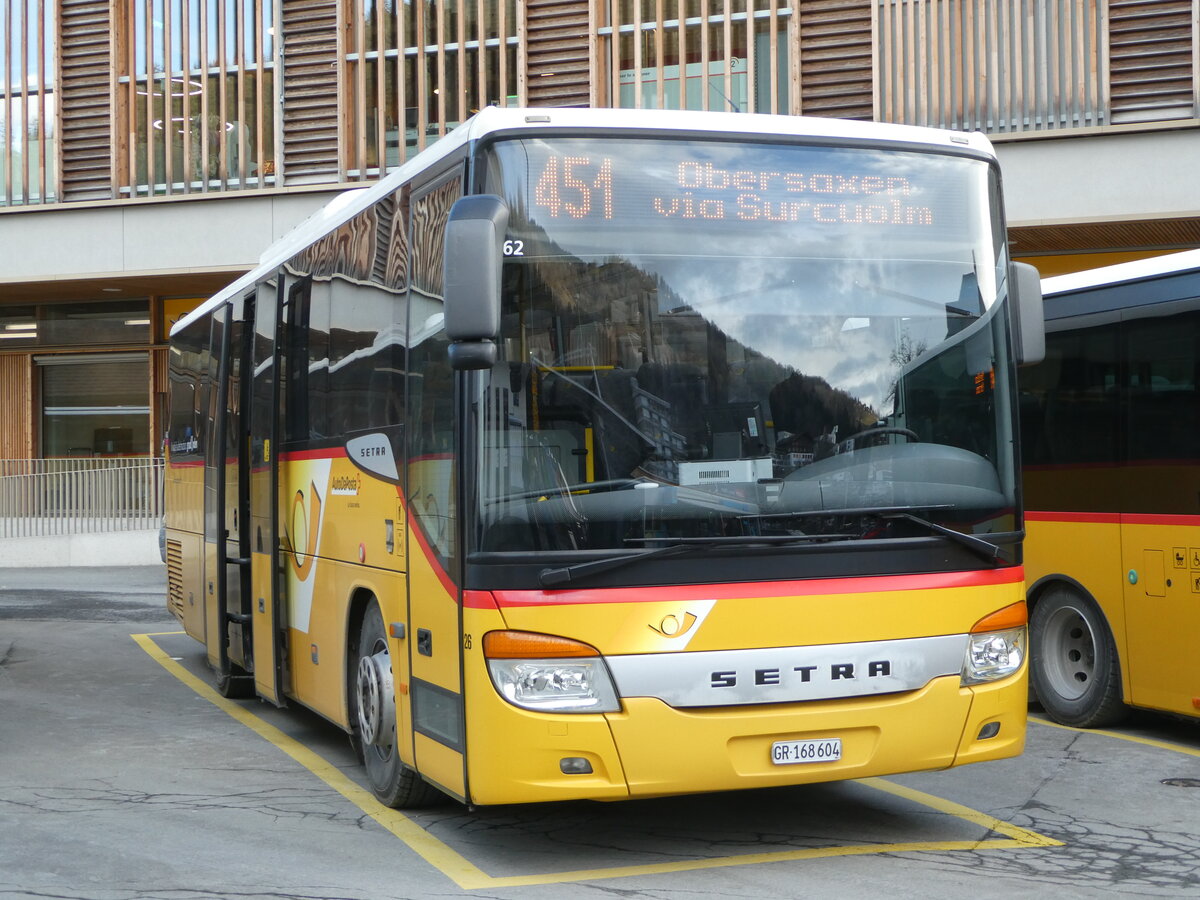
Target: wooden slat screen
point(557, 52)
point(85, 98)
point(991, 65)
point(16, 426)
point(413, 70)
point(310, 90)
point(28, 169)
point(836, 76)
point(1151, 47)
point(196, 95)
point(158, 399)
point(693, 54)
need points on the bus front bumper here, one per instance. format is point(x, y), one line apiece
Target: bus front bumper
point(650, 749)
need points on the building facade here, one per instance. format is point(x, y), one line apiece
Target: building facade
point(154, 148)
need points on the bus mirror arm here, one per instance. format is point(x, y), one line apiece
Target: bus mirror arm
point(1025, 289)
point(475, 237)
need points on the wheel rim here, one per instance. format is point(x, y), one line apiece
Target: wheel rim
point(1069, 653)
point(376, 700)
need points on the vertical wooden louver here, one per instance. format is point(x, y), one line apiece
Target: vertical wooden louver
point(310, 90)
point(85, 99)
point(835, 58)
point(1150, 47)
point(16, 425)
point(556, 36)
point(991, 65)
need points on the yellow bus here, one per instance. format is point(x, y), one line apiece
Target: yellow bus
point(1109, 427)
point(607, 454)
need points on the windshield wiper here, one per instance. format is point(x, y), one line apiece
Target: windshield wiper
point(565, 574)
point(977, 545)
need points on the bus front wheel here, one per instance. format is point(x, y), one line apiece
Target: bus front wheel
point(393, 783)
point(1073, 660)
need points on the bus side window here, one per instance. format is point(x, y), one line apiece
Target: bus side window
point(306, 351)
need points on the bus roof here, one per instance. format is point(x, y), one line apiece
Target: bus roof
point(495, 120)
point(1137, 270)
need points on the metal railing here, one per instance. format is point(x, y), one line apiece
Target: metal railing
point(79, 496)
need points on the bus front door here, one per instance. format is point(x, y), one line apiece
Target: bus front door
point(226, 503)
point(267, 613)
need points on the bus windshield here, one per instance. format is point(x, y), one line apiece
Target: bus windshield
point(713, 338)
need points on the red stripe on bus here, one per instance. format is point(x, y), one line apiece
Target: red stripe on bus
point(1156, 519)
point(324, 453)
point(1094, 518)
point(748, 590)
point(1112, 518)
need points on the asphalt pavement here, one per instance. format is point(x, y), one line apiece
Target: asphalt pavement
point(123, 776)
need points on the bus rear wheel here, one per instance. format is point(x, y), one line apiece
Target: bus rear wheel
point(392, 782)
point(1073, 661)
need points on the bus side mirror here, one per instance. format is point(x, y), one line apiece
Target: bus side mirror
point(1029, 318)
point(474, 254)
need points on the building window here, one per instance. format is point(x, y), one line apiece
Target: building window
point(197, 95)
point(95, 405)
point(416, 68)
point(18, 327)
point(75, 324)
point(694, 54)
point(27, 106)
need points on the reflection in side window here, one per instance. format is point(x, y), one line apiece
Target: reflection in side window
point(432, 469)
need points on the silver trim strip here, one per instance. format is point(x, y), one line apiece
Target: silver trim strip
point(788, 674)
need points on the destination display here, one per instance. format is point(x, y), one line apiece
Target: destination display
point(581, 187)
point(819, 189)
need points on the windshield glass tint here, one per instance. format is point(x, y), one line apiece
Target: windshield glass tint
point(712, 339)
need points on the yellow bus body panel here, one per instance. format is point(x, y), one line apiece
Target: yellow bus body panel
point(1088, 553)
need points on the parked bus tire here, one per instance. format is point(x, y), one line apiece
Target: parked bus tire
point(392, 782)
point(1073, 663)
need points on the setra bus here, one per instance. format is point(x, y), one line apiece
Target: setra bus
point(606, 454)
point(1109, 425)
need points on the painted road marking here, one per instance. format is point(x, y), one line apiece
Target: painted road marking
point(468, 876)
point(1133, 738)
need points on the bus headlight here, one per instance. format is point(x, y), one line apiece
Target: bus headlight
point(549, 674)
point(996, 645)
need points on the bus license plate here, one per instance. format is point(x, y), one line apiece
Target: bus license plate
point(788, 753)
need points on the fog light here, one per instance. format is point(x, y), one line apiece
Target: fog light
point(575, 765)
point(990, 730)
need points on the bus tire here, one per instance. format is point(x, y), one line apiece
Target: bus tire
point(392, 782)
point(1073, 661)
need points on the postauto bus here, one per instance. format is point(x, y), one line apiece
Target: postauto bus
point(607, 454)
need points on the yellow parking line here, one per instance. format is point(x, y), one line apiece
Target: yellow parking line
point(1132, 738)
point(1022, 836)
point(468, 876)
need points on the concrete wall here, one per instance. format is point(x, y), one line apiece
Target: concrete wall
point(1101, 177)
point(77, 241)
point(117, 548)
